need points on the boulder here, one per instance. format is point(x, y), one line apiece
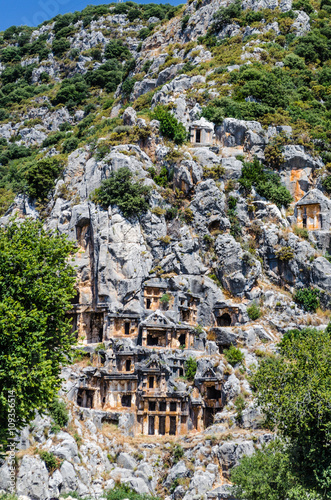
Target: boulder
point(126, 461)
point(32, 479)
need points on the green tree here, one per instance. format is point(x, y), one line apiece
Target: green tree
point(170, 126)
point(268, 475)
point(36, 289)
point(190, 368)
point(41, 177)
point(130, 197)
point(294, 391)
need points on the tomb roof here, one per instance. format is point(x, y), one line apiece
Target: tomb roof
point(203, 123)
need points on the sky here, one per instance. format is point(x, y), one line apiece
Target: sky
point(34, 12)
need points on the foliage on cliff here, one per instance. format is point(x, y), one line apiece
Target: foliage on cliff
point(36, 289)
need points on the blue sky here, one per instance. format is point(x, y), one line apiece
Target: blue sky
point(34, 12)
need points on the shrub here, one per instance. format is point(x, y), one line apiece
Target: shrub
point(52, 139)
point(169, 125)
point(73, 91)
point(240, 406)
point(108, 75)
point(313, 46)
point(52, 463)
point(59, 412)
point(60, 46)
point(301, 232)
point(266, 183)
point(130, 197)
point(177, 453)
point(70, 144)
point(123, 492)
point(233, 355)
point(41, 177)
point(117, 50)
point(185, 21)
point(254, 312)
point(165, 299)
point(190, 368)
point(308, 298)
point(162, 178)
point(127, 86)
point(225, 15)
point(285, 253)
point(326, 183)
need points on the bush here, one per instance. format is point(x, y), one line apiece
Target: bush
point(239, 406)
point(52, 139)
point(190, 368)
point(73, 91)
point(301, 232)
point(60, 46)
point(123, 492)
point(70, 144)
point(313, 46)
point(233, 355)
point(185, 21)
point(117, 50)
point(160, 179)
point(266, 183)
point(169, 125)
point(59, 412)
point(225, 15)
point(130, 197)
point(308, 298)
point(268, 474)
point(254, 312)
point(165, 299)
point(52, 463)
point(41, 177)
point(285, 253)
point(326, 183)
point(127, 87)
point(177, 453)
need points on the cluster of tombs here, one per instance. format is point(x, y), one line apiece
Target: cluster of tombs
point(143, 361)
point(153, 389)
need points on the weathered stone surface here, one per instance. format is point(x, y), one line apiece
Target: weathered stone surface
point(32, 479)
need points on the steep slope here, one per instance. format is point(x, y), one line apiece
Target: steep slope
point(215, 119)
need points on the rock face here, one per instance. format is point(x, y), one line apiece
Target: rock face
point(32, 479)
point(163, 294)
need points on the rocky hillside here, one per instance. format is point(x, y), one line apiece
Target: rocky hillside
point(187, 152)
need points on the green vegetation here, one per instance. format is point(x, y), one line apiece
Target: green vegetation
point(233, 355)
point(190, 368)
point(308, 298)
point(268, 474)
point(165, 299)
point(41, 176)
point(254, 312)
point(118, 189)
point(51, 461)
point(266, 183)
point(177, 453)
point(36, 289)
point(235, 230)
point(293, 389)
point(163, 177)
point(240, 405)
point(285, 253)
point(59, 413)
point(169, 125)
point(123, 492)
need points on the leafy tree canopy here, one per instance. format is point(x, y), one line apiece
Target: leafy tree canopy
point(36, 289)
point(294, 391)
point(118, 189)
